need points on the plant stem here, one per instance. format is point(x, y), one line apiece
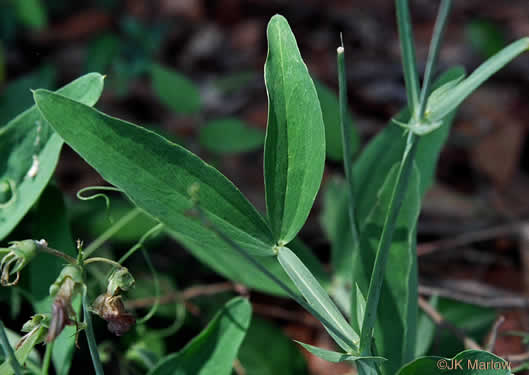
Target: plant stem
point(47, 358)
point(154, 230)
point(57, 253)
point(102, 260)
point(96, 244)
point(433, 53)
point(8, 350)
point(377, 276)
point(90, 337)
point(409, 63)
point(346, 140)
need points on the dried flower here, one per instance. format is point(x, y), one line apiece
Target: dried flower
point(37, 325)
point(64, 289)
point(15, 258)
point(111, 309)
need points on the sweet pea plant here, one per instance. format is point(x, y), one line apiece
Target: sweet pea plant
point(368, 308)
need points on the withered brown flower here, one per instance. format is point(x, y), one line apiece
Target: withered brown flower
point(112, 309)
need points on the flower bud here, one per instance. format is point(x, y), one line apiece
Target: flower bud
point(64, 289)
point(15, 258)
point(119, 280)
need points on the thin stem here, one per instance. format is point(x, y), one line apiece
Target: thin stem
point(8, 350)
point(409, 63)
point(379, 267)
point(346, 139)
point(154, 230)
point(156, 282)
point(90, 337)
point(106, 235)
point(57, 253)
point(102, 260)
point(435, 46)
point(47, 358)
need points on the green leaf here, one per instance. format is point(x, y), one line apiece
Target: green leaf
point(16, 96)
point(33, 150)
point(468, 362)
point(486, 37)
point(295, 137)
point(157, 175)
point(214, 350)
point(24, 351)
point(267, 351)
point(466, 87)
point(336, 357)
point(425, 330)
point(230, 135)
point(31, 13)
point(319, 300)
point(226, 261)
point(331, 117)
point(175, 90)
point(51, 223)
point(360, 302)
point(335, 223)
point(397, 308)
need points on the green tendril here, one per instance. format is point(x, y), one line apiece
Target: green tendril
point(99, 195)
point(156, 282)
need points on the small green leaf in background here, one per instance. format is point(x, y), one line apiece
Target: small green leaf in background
point(16, 96)
point(267, 351)
point(157, 175)
point(175, 90)
point(31, 13)
point(336, 357)
point(230, 135)
point(335, 222)
point(469, 362)
point(319, 300)
point(295, 136)
point(215, 349)
point(485, 37)
point(331, 117)
point(33, 150)
point(425, 330)
point(101, 52)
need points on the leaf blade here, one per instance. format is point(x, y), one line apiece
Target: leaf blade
point(295, 135)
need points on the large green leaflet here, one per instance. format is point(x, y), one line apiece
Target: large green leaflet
point(468, 362)
point(157, 175)
point(295, 136)
point(32, 149)
point(214, 350)
point(395, 329)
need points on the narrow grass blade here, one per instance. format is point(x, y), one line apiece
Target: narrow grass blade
point(90, 337)
point(8, 351)
point(435, 46)
point(335, 357)
point(407, 46)
point(452, 99)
